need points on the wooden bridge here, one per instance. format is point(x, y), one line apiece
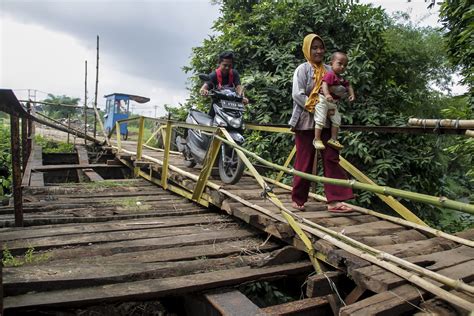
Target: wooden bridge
point(161, 232)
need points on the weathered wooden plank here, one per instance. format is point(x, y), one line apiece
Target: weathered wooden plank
point(397, 237)
point(211, 249)
point(420, 247)
point(403, 298)
point(304, 307)
point(318, 285)
point(232, 303)
point(379, 280)
point(370, 229)
point(63, 167)
point(148, 244)
point(93, 217)
point(42, 243)
point(57, 277)
point(127, 225)
point(152, 289)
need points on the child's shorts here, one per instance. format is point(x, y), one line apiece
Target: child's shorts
point(321, 113)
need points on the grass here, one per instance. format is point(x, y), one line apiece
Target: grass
point(132, 204)
point(50, 146)
point(30, 257)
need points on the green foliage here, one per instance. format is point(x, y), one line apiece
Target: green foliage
point(50, 146)
point(457, 17)
point(30, 257)
point(5, 160)
point(394, 67)
point(265, 294)
point(57, 111)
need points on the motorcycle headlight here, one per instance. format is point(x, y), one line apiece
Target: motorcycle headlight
point(220, 121)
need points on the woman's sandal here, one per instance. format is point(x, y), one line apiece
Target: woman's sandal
point(340, 208)
point(297, 207)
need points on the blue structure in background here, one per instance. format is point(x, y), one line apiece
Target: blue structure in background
point(117, 108)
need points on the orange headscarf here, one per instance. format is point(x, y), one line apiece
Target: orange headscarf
point(319, 71)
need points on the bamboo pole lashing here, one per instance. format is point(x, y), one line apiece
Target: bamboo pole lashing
point(424, 198)
point(374, 252)
point(427, 229)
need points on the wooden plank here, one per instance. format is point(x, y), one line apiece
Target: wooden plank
point(63, 167)
point(22, 280)
point(401, 299)
point(152, 289)
point(16, 169)
point(148, 244)
point(53, 220)
point(41, 243)
point(304, 307)
point(35, 159)
point(126, 225)
point(318, 285)
point(211, 249)
point(379, 280)
point(370, 229)
point(37, 179)
point(232, 303)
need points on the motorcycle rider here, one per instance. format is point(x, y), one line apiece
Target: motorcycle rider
point(224, 77)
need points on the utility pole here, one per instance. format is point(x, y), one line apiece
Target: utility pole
point(156, 107)
point(96, 86)
point(85, 103)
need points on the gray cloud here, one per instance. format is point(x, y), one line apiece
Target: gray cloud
point(148, 39)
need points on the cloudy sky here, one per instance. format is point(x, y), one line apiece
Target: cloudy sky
point(143, 45)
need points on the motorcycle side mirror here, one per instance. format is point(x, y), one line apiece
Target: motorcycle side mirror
point(204, 77)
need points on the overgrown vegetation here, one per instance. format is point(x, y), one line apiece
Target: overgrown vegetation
point(398, 70)
point(265, 294)
point(51, 146)
point(30, 257)
point(5, 160)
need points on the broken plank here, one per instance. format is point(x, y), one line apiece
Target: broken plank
point(379, 280)
point(42, 243)
point(318, 285)
point(58, 277)
point(403, 298)
point(151, 289)
point(232, 303)
point(62, 167)
point(125, 225)
point(307, 306)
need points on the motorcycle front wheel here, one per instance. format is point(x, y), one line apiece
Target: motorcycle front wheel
point(231, 167)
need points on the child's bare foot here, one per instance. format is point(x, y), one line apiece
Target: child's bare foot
point(335, 144)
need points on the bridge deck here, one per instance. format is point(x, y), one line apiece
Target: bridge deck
point(118, 240)
point(433, 253)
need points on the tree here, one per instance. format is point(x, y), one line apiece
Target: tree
point(58, 111)
point(457, 17)
point(394, 68)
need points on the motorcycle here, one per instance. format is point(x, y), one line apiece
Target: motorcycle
point(229, 109)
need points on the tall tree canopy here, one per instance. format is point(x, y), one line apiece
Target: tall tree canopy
point(57, 111)
point(457, 17)
point(395, 68)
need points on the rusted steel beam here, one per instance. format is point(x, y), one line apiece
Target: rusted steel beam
point(16, 172)
point(9, 104)
point(24, 140)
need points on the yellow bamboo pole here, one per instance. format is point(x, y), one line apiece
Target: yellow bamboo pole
point(389, 200)
point(119, 140)
point(270, 195)
point(286, 164)
point(166, 157)
point(141, 131)
point(423, 198)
